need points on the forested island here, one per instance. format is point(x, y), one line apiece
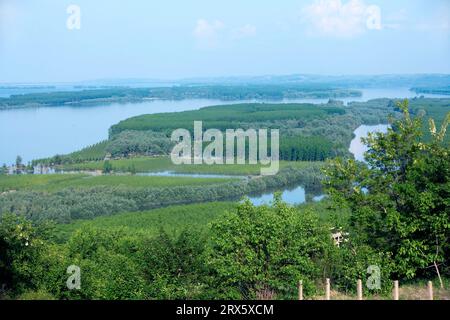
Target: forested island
point(219, 92)
point(444, 90)
point(309, 132)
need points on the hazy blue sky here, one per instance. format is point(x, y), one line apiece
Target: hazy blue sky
point(176, 39)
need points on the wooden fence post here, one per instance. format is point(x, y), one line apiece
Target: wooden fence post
point(327, 289)
point(430, 290)
point(395, 292)
point(300, 290)
point(359, 292)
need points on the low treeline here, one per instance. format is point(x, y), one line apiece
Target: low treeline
point(444, 90)
point(85, 203)
point(95, 152)
point(122, 145)
point(219, 92)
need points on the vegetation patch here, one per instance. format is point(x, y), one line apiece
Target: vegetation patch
point(55, 182)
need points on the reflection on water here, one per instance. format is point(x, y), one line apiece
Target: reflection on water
point(357, 148)
point(291, 196)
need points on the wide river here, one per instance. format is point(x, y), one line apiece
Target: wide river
point(42, 132)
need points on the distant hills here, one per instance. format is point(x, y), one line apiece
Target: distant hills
point(337, 81)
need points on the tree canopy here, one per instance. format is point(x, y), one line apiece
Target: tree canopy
point(400, 197)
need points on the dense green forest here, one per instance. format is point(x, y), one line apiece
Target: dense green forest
point(308, 132)
point(228, 116)
point(220, 92)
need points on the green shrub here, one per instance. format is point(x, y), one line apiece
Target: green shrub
point(266, 249)
point(36, 295)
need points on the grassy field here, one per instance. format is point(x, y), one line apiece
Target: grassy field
point(158, 164)
point(173, 219)
point(53, 182)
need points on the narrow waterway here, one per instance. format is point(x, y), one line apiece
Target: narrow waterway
point(357, 147)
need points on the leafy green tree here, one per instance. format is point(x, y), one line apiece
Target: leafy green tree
point(263, 251)
point(400, 198)
point(175, 266)
point(57, 159)
point(18, 164)
point(107, 167)
point(29, 167)
point(18, 161)
point(351, 261)
point(108, 270)
point(21, 247)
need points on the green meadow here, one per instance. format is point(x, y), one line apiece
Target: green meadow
point(163, 163)
point(54, 182)
point(173, 220)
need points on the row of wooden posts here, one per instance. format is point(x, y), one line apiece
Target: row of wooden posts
point(359, 291)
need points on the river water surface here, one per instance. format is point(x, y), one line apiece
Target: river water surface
point(357, 148)
point(43, 132)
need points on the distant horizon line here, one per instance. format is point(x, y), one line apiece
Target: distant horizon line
point(216, 78)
